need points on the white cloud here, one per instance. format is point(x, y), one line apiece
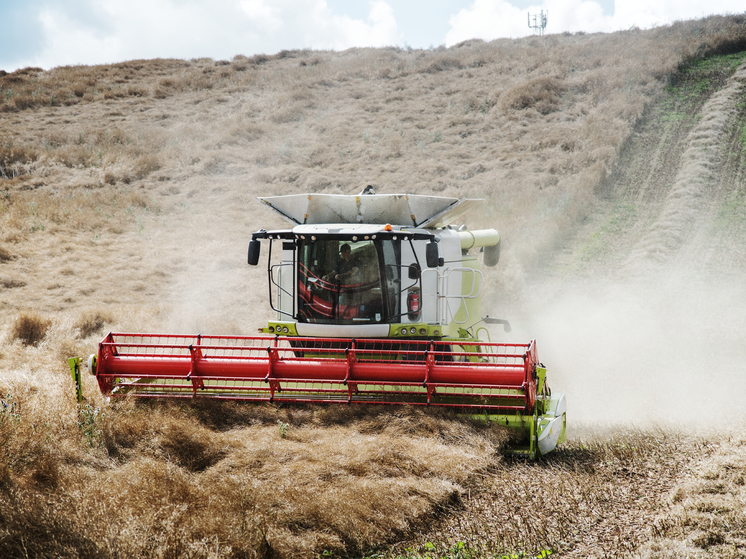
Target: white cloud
point(486, 19)
point(327, 30)
point(491, 19)
point(258, 11)
point(196, 28)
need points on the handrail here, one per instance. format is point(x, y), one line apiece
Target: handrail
point(445, 277)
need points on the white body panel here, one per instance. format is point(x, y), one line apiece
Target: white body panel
point(550, 434)
point(342, 330)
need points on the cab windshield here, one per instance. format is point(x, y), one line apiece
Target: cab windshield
point(348, 282)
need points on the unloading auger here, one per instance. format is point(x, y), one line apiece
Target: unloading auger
point(378, 302)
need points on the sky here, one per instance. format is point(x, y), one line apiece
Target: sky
point(49, 33)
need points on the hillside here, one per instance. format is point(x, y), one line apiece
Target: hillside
point(613, 166)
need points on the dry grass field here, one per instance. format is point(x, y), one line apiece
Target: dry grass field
point(612, 164)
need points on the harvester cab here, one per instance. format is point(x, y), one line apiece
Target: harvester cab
point(377, 301)
point(406, 272)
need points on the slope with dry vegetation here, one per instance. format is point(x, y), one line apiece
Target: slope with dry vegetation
point(126, 200)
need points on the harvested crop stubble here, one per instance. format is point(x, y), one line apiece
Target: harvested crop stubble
point(596, 496)
point(707, 512)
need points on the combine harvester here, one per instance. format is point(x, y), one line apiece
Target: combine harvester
point(378, 302)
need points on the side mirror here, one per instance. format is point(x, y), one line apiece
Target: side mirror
point(492, 255)
point(431, 254)
point(254, 248)
point(414, 271)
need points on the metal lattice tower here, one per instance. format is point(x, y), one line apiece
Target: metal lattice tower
point(539, 22)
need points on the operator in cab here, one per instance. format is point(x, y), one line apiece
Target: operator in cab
point(347, 268)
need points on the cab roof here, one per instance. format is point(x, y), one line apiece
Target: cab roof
point(411, 210)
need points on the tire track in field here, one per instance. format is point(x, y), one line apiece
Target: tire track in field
point(695, 183)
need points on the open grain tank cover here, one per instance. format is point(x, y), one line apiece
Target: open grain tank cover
point(411, 210)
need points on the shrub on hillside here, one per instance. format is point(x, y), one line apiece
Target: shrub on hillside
point(542, 94)
point(145, 165)
point(442, 64)
point(14, 161)
point(91, 322)
point(5, 255)
point(30, 328)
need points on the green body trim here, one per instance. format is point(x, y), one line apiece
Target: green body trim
point(74, 363)
point(280, 327)
point(418, 330)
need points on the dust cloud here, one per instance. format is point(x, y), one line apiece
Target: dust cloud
point(665, 351)
point(212, 289)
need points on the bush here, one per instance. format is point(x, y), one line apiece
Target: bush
point(14, 161)
point(5, 255)
point(145, 165)
point(542, 94)
point(30, 328)
point(91, 322)
point(442, 64)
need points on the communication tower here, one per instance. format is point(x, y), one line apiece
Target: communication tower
point(538, 22)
